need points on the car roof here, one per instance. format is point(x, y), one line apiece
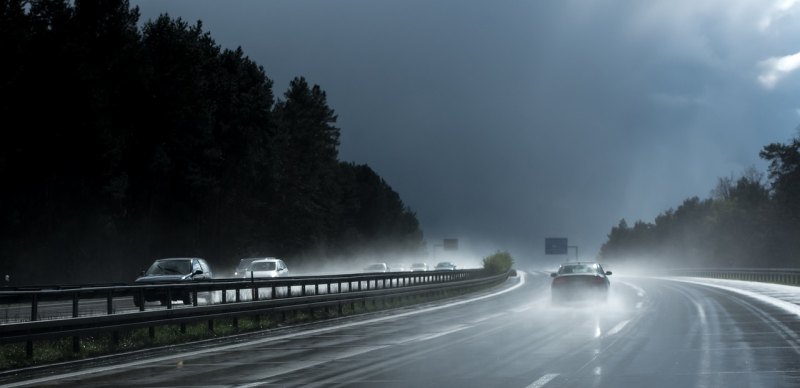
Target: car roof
point(266, 260)
point(179, 258)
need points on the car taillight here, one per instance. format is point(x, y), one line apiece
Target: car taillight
point(559, 280)
point(599, 279)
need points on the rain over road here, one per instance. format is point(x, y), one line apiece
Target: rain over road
point(653, 332)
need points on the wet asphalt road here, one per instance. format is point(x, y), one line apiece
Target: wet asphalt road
point(652, 333)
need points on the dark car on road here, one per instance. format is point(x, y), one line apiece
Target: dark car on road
point(173, 270)
point(445, 266)
point(579, 282)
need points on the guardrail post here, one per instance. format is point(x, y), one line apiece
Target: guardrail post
point(141, 299)
point(194, 298)
point(74, 304)
point(272, 292)
point(35, 307)
point(76, 340)
point(224, 295)
point(110, 303)
point(34, 317)
point(169, 298)
point(238, 297)
point(316, 289)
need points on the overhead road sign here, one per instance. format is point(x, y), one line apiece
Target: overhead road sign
point(555, 246)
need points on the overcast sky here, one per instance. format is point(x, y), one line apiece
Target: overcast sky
point(505, 122)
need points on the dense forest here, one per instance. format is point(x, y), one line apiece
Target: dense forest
point(124, 142)
point(748, 221)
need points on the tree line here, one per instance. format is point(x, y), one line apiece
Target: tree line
point(748, 221)
point(123, 143)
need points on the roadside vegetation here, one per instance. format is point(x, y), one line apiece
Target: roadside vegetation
point(124, 142)
point(748, 221)
point(498, 262)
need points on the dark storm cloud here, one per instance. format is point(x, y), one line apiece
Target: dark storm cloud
point(506, 122)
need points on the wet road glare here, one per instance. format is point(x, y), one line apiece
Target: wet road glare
point(652, 332)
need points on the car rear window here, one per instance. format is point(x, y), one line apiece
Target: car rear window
point(263, 266)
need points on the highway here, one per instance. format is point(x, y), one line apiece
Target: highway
point(652, 333)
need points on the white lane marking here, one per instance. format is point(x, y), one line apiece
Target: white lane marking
point(542, 380)
point(309, 364)
point(437, 335)
point(616, 329)
point(787, 306)
point(261, 341)
point(488, 317)
point(522, 308)
point(639, 291)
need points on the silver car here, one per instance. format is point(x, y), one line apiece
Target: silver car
point(419, 267)
point(266, 268)
point(377, 267)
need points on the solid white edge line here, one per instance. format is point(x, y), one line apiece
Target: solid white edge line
point(787, 306)
point(542, 380)
point(261, 341)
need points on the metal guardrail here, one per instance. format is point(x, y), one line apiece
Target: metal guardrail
point(788, 276)
point(264, 297)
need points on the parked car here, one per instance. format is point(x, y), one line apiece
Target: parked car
point(445, 266)
point(578, 282)
point(172, 270)
point(421, 267)
point(377, 267)
point(269, 267)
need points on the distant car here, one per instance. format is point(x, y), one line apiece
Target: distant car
point(445, 266)
point(377, 267)
point(397, 268)
point(266, 268)
point(578, 282)
point(242, 266)
point(418, 267)
point(173, 270)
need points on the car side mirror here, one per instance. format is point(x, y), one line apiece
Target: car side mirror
point(608, 272)
point(198, 272)
point(553, 274)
